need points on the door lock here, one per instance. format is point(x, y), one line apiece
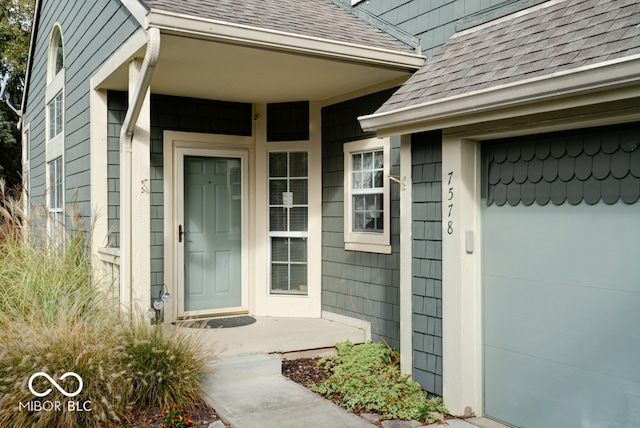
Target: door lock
point(181, 233)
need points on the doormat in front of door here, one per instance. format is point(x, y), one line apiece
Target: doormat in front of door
point(226, 322)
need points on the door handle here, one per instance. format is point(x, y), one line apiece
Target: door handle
point(180, 233)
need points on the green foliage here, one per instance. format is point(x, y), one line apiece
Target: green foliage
point(55, 319)
point(15, 33)
point(367, 378)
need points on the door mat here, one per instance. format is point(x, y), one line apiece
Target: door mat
point(227, 322)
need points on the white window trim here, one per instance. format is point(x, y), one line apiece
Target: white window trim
point(367, 241)
point(55, 87)
point(288, 234)
point(56, 214)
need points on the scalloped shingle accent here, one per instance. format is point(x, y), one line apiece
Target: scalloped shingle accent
point(582, 166)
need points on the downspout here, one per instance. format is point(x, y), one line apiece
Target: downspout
point(126, 140)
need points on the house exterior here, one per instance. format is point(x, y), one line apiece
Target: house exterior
point(525, 131)
point(460, 177)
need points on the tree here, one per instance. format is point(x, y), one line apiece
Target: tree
point(16, 17)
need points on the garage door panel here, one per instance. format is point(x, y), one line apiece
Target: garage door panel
point(585, 327)
point(564, 244)
point(561, 302)
point(521, 387)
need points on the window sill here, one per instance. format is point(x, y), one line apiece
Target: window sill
point(367, 248)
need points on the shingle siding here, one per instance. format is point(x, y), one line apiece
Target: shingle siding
point(578, 166)
point(86, 47)
point(426, 155)
point(357, 284)
point(117, 109)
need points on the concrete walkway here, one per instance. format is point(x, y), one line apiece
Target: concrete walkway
point(249, 391)
point(247, 388)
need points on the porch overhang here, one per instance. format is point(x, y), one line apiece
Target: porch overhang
point(204, 58)
point(614, 84)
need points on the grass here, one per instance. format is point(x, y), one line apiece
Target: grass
point(55, 318)
point(367, 378)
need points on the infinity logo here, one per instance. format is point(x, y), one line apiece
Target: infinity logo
point(53, 382)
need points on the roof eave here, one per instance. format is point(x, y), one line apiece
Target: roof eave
point(171, 23)
point(555, 91)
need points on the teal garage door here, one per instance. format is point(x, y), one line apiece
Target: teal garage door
point(561, 279)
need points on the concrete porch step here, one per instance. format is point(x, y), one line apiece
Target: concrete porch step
point(251, 366)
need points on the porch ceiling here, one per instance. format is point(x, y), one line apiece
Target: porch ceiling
point(200, 68)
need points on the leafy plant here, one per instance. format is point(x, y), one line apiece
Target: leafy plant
point(367, 378)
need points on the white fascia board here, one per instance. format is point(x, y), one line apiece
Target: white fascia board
point(475, 106)
point(136, 9)
point(209, 29)
point(122, 56)
point(27, 73)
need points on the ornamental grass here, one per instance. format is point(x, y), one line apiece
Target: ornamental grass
point(55, 318)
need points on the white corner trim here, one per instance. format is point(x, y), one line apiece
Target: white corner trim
point(121, 57)
point(172, 23)
point(406, 261)
point(467, 107)
point(461, 291)
point(136, 9)
point(353, 322)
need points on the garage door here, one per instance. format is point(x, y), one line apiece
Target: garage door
point(561, 279)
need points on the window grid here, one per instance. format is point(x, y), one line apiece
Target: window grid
point(55, 116)
point(55, 196)
point(288, 222)
point(367, 190)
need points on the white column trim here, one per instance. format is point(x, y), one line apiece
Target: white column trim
point(98, 171)
point(406, 256)
point(140, 200)
point(461, 290)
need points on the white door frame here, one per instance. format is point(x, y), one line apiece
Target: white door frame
point(176, 145)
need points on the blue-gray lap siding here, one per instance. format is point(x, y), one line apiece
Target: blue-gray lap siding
point(433, 22)
point(426, 163)
point(357, 284)
point(86, 47)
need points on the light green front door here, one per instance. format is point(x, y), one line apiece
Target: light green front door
point(212, 234)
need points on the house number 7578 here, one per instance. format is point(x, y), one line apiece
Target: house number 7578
point(450, 206)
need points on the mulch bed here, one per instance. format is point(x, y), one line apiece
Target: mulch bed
point(303, 371)
point(201, 416)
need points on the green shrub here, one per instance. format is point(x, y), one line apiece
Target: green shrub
point(367, 378)
point(55, 319)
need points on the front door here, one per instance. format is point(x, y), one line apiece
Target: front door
point(211, 253)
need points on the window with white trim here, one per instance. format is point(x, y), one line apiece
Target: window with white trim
point(26, 163)
point(288, 222)
point(55, 116)
point(54, 99)
point(366, 196)
point(56, 196)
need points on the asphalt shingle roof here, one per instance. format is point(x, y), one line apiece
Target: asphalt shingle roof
point(549, 38)
point(314, 18)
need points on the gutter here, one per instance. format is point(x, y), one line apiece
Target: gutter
point(136, 99)
point(509, 100)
